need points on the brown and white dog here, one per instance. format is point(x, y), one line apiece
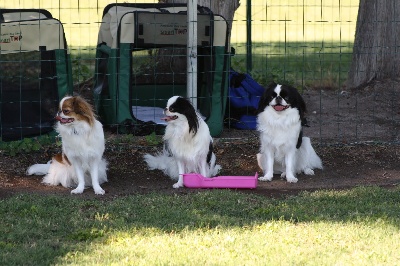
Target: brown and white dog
point(81, 162)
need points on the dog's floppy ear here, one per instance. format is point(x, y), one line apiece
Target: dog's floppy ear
point(299, 139)
point(186, 108)
point(84, 109)
point(266, 97)
point(296, 100)
point(301, 105)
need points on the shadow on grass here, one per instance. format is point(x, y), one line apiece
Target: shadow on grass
point(39, 230)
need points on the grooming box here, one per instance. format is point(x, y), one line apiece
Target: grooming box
point(199, 181)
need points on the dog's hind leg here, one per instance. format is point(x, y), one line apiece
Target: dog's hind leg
point(308, 171)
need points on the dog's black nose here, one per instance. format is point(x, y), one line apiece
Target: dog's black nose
point(278, 99)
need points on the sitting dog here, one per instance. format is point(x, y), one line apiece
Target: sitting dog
point(81, 162)
point(283, 149)
point(188, 145)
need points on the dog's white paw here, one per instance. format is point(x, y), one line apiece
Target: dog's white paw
point(177, 185)
point(77, 190)
point(99, 191)
point(291, 179)
point(265, 178)
point(308, 171)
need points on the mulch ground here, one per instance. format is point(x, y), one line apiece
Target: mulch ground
point(355, 132)
point(344, 167)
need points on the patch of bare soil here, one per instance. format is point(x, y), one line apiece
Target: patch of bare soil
point(354, 132)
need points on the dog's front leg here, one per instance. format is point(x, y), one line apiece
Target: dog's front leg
point(81, 181)
point(267, 161)
point(94, 174)
point(203, 168)
point(290, 162)
point(181, 170)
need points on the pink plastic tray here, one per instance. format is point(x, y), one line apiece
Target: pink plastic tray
point(199, 181)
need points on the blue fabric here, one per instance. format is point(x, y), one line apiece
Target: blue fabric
point(248, 122)
point(248, 94)
point(244, 96)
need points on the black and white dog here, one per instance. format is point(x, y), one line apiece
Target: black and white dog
point(188, 145)
point(281, 116)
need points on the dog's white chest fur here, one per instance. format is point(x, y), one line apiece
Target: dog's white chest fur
point(278, 130)
point(184, 145)
point(82, 141)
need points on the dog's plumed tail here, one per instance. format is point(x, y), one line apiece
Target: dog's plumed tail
point(165, 162)
point(38, 169)
point(308, 158)
point(55, 173)
point(61, 173)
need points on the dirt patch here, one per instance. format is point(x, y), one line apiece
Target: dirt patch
point(344, 167)
point(354, 132)
point(348, 116)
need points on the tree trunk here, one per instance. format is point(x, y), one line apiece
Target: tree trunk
point(376, 52)
point(225, 8)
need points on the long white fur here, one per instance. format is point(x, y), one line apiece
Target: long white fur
point(38, 169)
point(84, 146)
point(187, 154)
point(168, 164)
point(279, 132)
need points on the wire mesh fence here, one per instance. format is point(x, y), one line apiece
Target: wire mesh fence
point(306, 44)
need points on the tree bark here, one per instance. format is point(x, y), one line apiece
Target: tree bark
point(376, 51)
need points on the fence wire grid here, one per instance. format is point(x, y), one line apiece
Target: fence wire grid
point(306, 44)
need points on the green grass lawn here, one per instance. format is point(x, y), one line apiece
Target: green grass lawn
point(302, 64)
point(211, 227)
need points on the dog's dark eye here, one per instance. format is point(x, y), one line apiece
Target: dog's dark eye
point(65, 111)
point(171, 109)
point(286, 98)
